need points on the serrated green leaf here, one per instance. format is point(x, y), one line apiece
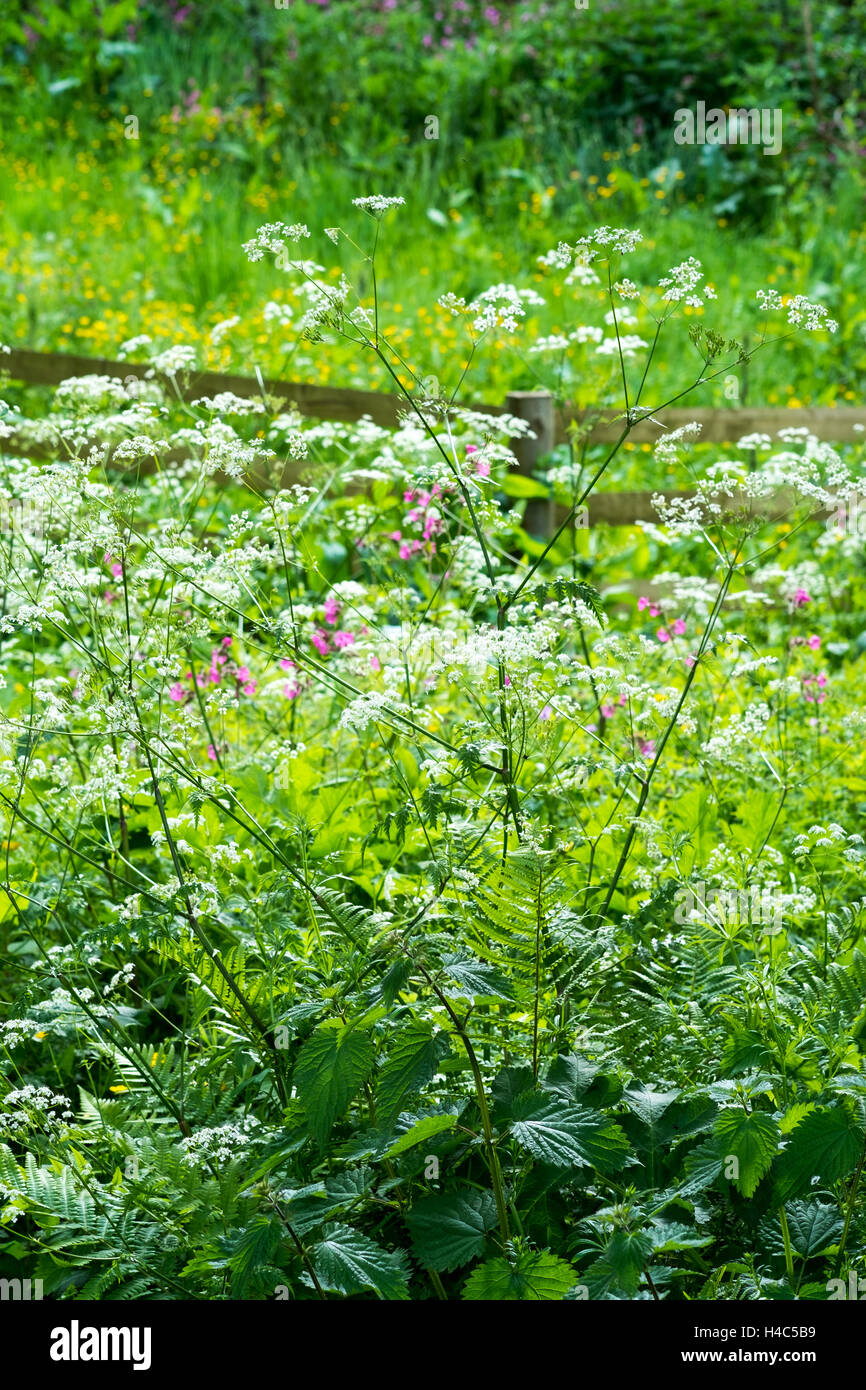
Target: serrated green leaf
point(569, 1135)
point(425, 1129)
point(752, 1139)
point(332, 1066)
point(825, 1145)
point(414, 1056)
point(448, 1228)
point(348, 1262)
point(472, 979)
point(535, 1276)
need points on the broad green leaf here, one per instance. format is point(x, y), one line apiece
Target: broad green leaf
point(751, 1139)
point(349, 1262)
point(332, 1066)
point(471, 979)
point(534, 1276)
point(448, 1228)
point(414, 1057)
point(703, 1165)
point(425, 1129)
point(626, 1253)
point(813, 1226)
point(569, 1135)
point(825, 1145)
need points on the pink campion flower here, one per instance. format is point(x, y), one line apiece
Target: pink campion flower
point(608, 711)
point(211, 752)
point(822, 679)
point(409, 495)
point(319, 640)
point(814, 641)
point(678, 627)
point(395, 535)
point(507, 680)
point(226, 642)
point(375, 663)
point(642, 603)
point(117, 569)
point(251, 687)
point(690, 661)
point(343, 639)
point(286, 664)
point(332, 608)
point(176, 692)
point(242, 674)
point(663, 635)
point(800, 598)
point(472, 448)
point(109, 596)
point(405, 551)
point(623, 700)
point(482, 468)
point(291, 692)
point(648, 748)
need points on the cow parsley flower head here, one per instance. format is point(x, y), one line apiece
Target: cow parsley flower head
point(683, 284)
point(609, 239)
point(273, 237)
point(377, 206)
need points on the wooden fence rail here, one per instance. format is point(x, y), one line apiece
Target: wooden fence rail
point(551, 425)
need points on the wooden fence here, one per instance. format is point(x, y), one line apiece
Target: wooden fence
point(551, 425)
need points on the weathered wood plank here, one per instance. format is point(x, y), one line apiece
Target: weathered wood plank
point(719, 426)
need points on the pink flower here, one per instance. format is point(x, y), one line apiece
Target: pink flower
point(663, 635)
point(343, 639)
point(375, 663)
point(482, 468)
point(332, 608)
point(117, 569)
point(814, 641)
point(690, 661)
point(678, 627)
point(507, 680)
point(648, 748)
point(176, 692)
point(643, 602)
point(800, 598)
point(405, 551)
point(608, 711)
point(623, 700)
point(319, 640)
point(211, 752)
point(243, 673)
point(546, 712)
point(226, 642)
point(250, 687)
point(291, 692)
point(472, 448)
point(286, 664)
point(822, 679)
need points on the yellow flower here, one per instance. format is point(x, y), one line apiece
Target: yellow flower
point(118, 1090)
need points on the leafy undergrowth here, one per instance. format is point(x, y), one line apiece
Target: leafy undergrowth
point(399, 906)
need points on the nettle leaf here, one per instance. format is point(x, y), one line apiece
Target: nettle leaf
point(670, 1236)
point(625, 1254)
point(569, 1077)
point(425, 1129)
point(448, 1229)
point(703, 1165)
point(649, 1105)
point(414, 1056)
point(332, 1066)
point(826, 1145)
point(569, 1135)
point(471, 979)
point(751, 1139)
point(533, 1277)
point(348, 1262)
point(814, 1228)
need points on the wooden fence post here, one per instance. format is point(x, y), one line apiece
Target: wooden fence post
point(537, 409)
